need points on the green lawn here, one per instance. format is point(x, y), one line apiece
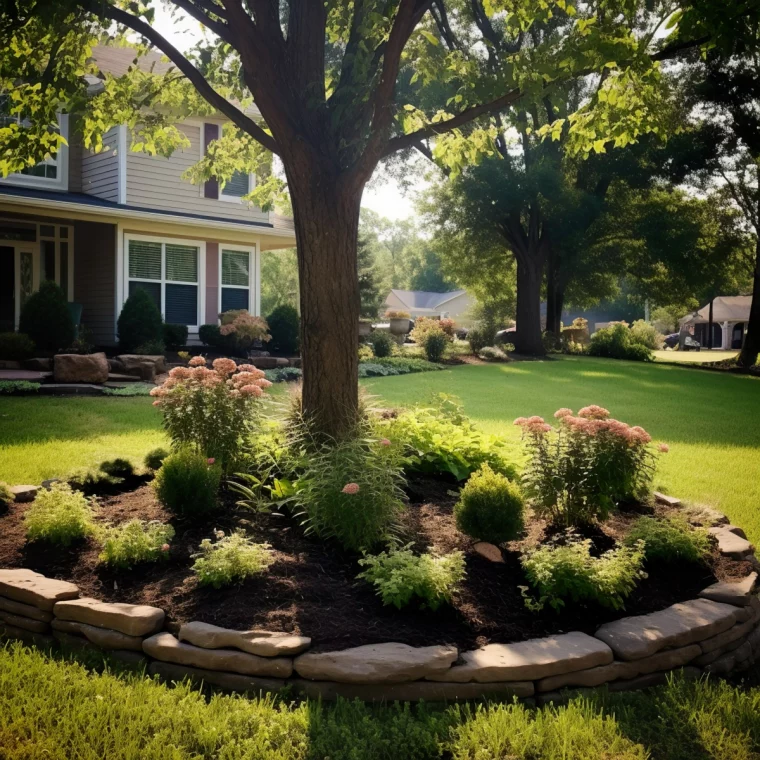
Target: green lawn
point(709, 419)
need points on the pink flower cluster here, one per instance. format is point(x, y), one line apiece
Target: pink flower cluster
point(350, 488)
point(593, 412)
point(595, 420)
point(535, 425)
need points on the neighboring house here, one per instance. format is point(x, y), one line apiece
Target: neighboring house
point(730, 317)
point(455, 305)
point(102, 225)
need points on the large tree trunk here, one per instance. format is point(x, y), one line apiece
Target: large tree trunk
point(751, 347)
point(555, 298)
point(326, 216)
point(528, 338)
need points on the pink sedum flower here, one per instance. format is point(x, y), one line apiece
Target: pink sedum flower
point(224, 366)
point(594, 412)
point(350, 488)
point(197, 361)
point(562, 413)
point(664, 448)
point(165, 548)
point(210, 460)
point(385, 442)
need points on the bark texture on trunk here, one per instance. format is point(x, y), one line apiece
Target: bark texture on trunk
point(751, 347)
point(555, 296)
point(528, 337)
point(326, 216)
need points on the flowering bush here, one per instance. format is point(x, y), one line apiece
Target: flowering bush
point(135, 541)
point(585, 467)
point(425, 325)
point(188, 482)
point(568, 571)
point(399, 576)
point(210, 407)
point(244, 328)
point(670, 540)
point(59, 515)
point(350, 491)
point(232, 558)
point(365, 352)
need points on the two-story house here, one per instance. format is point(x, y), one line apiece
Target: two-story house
point(103, 224)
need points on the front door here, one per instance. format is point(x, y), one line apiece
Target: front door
point(7, 288)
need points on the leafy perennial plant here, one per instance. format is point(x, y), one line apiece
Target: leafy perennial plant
point(210, 408)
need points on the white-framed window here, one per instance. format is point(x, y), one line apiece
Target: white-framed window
point(238, 186)
point(171, 272)
point(237, 278)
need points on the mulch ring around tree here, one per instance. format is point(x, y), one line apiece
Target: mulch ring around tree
point(312, 589)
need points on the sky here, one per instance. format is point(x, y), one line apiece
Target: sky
point(386, 198)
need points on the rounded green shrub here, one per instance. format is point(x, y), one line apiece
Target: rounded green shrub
point(175, 336)
point(434, 343)
point(16, 346)
point(211, 336)
point(46, 319)
point(59, 515)
point(139, 322)
point(480, 336)
point(188, 483)
point(284, 325)
point(231, 559)
point(155, 458)
point(382, 343)
point(490, 507)
point(117, 468)
point(669, 540)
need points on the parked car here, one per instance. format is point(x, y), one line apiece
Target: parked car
point(671, 341)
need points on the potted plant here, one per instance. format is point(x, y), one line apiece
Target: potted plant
point(400, 322)
point(365, 327)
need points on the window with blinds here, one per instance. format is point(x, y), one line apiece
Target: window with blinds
point(238, 185)
point(169, 273)
point(236, 280)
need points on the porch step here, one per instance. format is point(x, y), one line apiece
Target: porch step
point(24, 374)
point(69, 389)
point(116, 377)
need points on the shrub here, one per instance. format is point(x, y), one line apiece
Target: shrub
point(133, 389)
point(350, 491)
point(284, 326)
point(18, 386)
point(434, 344)
point(616, 342)
point(232, 558)
point(449, 326)
point(492, 354)
point(175, 336)
point(46, 319)
point(480, 336)
point(669, 540)
point(441, 439)
point(59, 516)
point(399, 576)
point(560, 572)
point(395, 314)
point(187, 483)
point(16, 346)
point(407, 364)
point(283, 374)
point(365, 352)
point(425, 325)
point(118, 468)
point(490, 507)
point(210, 408)
point(82, 344)
point(139, 322)
point(243, 328)
point(646, 334)
point(93, 482)
point(135, 541)
point(6, 495)
point(155, 458)
point(151, 348)
point(382, 343)
point(370, 369)
point(585, 467)
point(211, 336)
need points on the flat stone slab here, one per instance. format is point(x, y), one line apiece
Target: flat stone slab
point(35, 589)
point(705, 516)
point(28, 624)
point(376, 663)
point(730, 544)
point(23, 374)
point(131, 619)
point(228, 681)
point(101, 637)
point(70, 389)
point(25, 610)
point(24, 493)
point(668, 501)
point(738, 593)
point(633, 638)
point(491, 552)
point(529, 660)
point(41, 640)
point(261, 643)
point(167, 648)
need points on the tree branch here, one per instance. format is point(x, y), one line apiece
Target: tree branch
point(195, 77)
point(674, 50)
point(217, 27)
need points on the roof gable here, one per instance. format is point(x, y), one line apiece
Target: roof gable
point(425, 299)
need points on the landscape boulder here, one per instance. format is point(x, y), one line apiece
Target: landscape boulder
point(80, 368)
point(25, 493)
point(132, 362)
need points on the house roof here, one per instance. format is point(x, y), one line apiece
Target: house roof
point(424, 299)
point(117, 60)
point(725, 309)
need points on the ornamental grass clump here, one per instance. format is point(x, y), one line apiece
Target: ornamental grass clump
point(560, 572)
point(490, 507)
point(350, 492)
point(130, 543)
point(188, 483)
point(400, 576)
point(60, 516)
point(230, 560)
point(211, 408)
point(669, 540)
point(585, 467)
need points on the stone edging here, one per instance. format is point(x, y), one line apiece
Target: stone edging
point(717, 633)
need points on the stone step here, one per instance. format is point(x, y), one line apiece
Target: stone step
point(131, 619)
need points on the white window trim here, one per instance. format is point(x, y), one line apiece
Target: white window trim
point(61, 182)
point(58, 240)
point(253, 277)
point(201, 284)
point(238, 198)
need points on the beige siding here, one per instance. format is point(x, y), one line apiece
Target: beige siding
point(156, 182)
point(95, 278)
point(75, 165)
point(100, 171)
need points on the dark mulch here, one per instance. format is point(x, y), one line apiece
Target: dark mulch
point(312, 587)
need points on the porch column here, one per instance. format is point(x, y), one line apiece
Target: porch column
point(726, 329)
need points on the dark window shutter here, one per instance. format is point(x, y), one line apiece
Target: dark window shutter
point(211, 186)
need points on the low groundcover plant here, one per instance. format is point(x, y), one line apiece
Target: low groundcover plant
point(59, 516)
point(135, 541)
point(231, 559)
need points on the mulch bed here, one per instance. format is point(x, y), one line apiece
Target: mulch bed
point(312, 588)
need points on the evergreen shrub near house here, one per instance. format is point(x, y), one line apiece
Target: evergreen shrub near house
point(434, 344)
point(46, 319)
point(16, 346)
point(175, 336)
point(490, 507)
point(647, 334)
point(284, 326)
point(211, 336)
point(139, 322)
point(382, 343)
